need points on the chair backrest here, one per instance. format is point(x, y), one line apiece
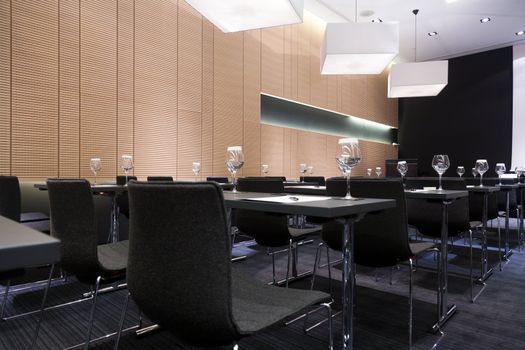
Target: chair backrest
point(160, 178)
point(218, 179)
point(179, 266)
point(318, 179)
point(268, 229)
point(427, 216)
point(72, 215)
point(381, 238)
point(121, 179)
point(10, 201)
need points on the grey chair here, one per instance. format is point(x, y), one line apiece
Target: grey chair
point(381, 239)
point(271, 230)
point(122, 198)
point(320, 180)
point(180, 272)
point(160, 178)
point(73, 222)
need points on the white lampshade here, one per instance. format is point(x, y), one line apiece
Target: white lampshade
point(358, 48)
point(238, 15)
point(417, 79)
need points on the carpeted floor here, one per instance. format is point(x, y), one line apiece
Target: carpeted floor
point(495, 321)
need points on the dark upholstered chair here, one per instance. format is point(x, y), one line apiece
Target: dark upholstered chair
point(269, 229)
point(317, 179)
point(73, 222)
point(381, 239)
point(218, 179)
point(122, 198)
point(426, 216)
point(180, 273)
point(160, 178)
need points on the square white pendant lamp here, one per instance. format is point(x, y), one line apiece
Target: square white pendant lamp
point(238, 15)
point(417, 79)
point(358, 48)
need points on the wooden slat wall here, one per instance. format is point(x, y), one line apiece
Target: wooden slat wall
point(154, 79)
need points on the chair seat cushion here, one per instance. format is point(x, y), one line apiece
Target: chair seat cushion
point(33, 216)
point(113, 257)
point(257, 305)
point(420, 247)
point(301, 232)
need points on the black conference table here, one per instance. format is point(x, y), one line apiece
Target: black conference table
point(21, 246)
point(348, 212)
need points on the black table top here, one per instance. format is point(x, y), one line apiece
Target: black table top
point(436, 194)
point(329, 208)
point(21, 246)
point(507, 187)
point(297, 183)
point(312, 190)
point(483, 189)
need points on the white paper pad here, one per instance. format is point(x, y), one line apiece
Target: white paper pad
point(289, 199)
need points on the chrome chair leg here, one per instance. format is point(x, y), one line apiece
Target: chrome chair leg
point(4, 301)
point(410, 302)
point(92, 314)
point(273, 268)
point(499, 244)
point(519, 228)
point(121, 324)
point(329, 271)
point(330, 333)
point(290, 247)
point(316, 264)
point(42, 307)
point(471, 268)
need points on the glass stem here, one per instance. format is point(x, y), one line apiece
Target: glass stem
point(126, 177)
point(234, 175)
point(95, 178)
point(480, 180)
point(500, 180)
point(348, 195)
point(440, 188)
point(403, 180)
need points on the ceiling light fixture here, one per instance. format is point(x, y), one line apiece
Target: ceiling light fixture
point(239, 15)
point(485, 20)
point(432, 33)
point(377, 20)
point(417, 79)
point(358, 48)
point(521, 32)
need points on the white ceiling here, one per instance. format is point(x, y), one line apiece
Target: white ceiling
point(457, 22)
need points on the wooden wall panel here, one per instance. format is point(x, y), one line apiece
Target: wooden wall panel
point(35, 89)
point(125, 79)
point(189, 117)
point(207, 99)
point(69, 107)
point(227, 96)
point(5, 87)
point(154, 79)
point(252, 102)
point(272, 148)
point(98, 85)
point(155, 131)
point(272, 61)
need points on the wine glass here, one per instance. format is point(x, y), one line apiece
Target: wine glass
point(482, 166)
point(460, 170)
point(369, 172)
point(349, 157)
point(234, 161)
point(265, 169)
point(302, 169)
point(127, 164)
point(196, 168)
point(440, 163)
point(96, 165)
point(310, 169)
point(500, 170)
point(474, 172)
point(378, 171)
point(402, 168)
point(519, 172)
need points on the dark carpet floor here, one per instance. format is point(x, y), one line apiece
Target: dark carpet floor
point(495, 321)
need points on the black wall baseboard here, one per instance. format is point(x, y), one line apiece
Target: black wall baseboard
point(470, 119)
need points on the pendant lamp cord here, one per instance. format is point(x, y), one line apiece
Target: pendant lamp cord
point(415, 12)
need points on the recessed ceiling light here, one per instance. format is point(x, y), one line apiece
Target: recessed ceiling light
point(521, 32)
point(377, 20)
point(432, 33)
point(485, 20)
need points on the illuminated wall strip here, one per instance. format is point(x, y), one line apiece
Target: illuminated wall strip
point(286, 113)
